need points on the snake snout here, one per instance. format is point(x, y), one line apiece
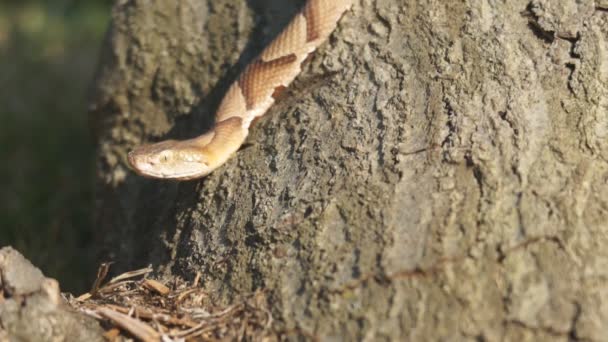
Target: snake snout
point(139, 162)
point(131, 157)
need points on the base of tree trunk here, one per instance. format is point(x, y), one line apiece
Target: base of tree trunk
point(437, 172)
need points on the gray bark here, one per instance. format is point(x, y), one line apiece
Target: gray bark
point(438, 171)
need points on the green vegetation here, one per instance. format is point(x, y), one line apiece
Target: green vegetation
point(48, 52)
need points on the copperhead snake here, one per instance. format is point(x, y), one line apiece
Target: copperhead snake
point(248, 97)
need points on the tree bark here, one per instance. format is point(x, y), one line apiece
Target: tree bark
point(439, 170)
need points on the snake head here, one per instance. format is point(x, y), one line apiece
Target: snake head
point(171, 159)
point(192, 158)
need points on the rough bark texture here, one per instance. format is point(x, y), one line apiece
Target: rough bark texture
point(438, 171)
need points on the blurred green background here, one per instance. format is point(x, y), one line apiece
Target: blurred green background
point(48, 53)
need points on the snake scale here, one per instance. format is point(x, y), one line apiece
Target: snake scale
point(248, 97)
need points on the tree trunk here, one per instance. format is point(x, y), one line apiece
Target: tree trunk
point(439, 170)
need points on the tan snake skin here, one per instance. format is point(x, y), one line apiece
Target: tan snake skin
point(247, 98)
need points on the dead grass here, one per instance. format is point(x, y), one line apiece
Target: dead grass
point(134, 305)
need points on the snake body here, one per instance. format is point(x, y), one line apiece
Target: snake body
point(248, 97)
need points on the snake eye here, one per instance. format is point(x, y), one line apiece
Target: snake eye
point(164, 156)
